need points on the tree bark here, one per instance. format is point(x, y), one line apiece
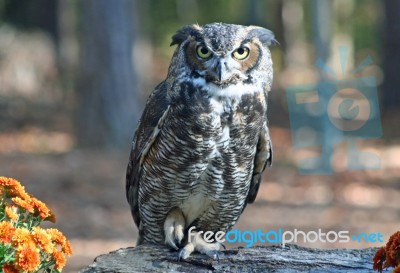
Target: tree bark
point(155, 258)
point(108, 97)
point(391, 50)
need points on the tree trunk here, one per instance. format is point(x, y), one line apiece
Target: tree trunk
point(288, 259)
point(391, 50)
point(107, 90)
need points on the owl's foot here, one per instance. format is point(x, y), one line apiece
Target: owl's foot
point(174, 226)
point(198, 244)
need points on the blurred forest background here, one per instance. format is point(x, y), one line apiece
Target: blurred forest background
point(74, 77)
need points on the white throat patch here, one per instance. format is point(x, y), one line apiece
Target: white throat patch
point(233, 90)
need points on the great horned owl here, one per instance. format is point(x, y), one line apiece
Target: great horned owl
point(202, 142)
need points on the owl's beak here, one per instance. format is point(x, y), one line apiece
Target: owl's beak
point(221, 72)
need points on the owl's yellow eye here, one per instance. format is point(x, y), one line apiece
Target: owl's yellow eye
point(241, 53)
point(203, 52)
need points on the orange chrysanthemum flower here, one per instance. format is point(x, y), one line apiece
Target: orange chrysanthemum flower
point(67, 248)
point(26, 205)
point(379, 259)
point(393, 250)
point(60, 239)
point(27, 257)
point(389, 255)
point(30, 246)
point(10, 268)
point(60, 260)
point(22, 236)
point(43, 239)
point(11, 214)
point(43, 211)
point(13, 187)
point(6, 232)
point(8, 182)
point(52, 218)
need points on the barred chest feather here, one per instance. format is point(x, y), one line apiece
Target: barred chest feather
point(231, 120)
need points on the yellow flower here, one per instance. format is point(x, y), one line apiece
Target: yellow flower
point(43, 239)
point(6, 232)
point(11, 214)
point(27, 257)
point(59, 259)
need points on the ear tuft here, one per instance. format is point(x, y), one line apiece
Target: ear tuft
point(183, 33)
point(264, 35)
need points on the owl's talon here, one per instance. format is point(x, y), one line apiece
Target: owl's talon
point(185, 252)
point(171, 244)
point(198, 244)
point(174, 228)
point(178, 243)
point(179, 232)
point(180, 255)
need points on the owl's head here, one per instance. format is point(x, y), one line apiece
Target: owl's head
point(223, 54)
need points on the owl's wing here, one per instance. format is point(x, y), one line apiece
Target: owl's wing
point(149, 125)
point(262, 159)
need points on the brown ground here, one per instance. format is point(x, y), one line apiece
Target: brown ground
point(86, 191)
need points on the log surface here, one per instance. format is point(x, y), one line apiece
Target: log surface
point(156, 258)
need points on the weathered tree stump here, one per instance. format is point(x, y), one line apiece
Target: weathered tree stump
point(156, 258)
